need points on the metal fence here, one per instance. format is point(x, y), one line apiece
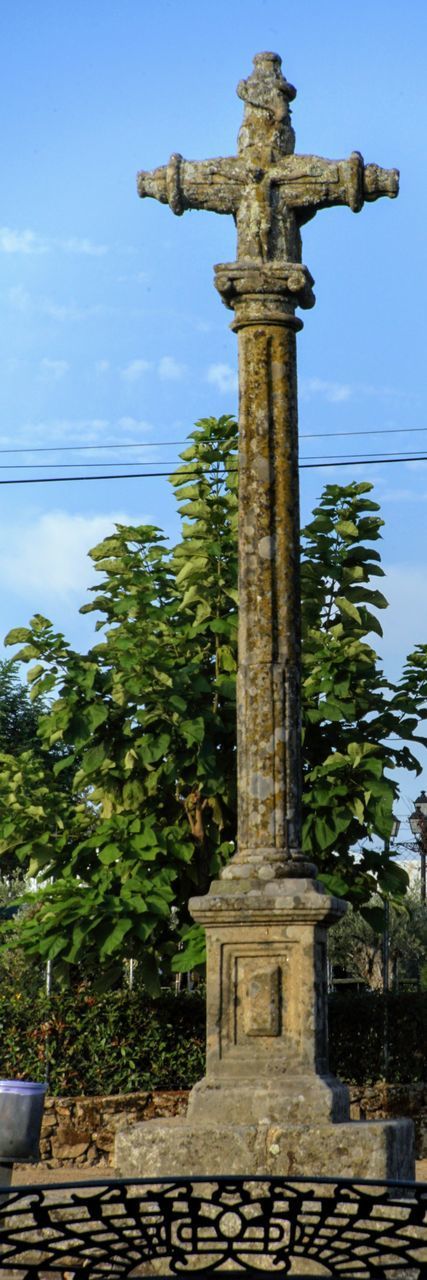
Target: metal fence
point(238, 1226)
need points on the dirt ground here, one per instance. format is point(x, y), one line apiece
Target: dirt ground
point(25, 1174)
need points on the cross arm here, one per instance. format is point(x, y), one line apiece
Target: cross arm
point(194, 184)
point(308, 183)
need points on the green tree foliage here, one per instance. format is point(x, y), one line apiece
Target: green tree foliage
point(21, 756)
point(149, 716)
point(19, 717)
point(147, 721)
point(413, 685)
point(357, 948)
point(352, 713)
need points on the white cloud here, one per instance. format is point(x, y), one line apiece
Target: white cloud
point(337, 392)
point(102, 366)
point(21, 241)
point(135, 370)
point(203, 326)
point(58, 431)
point(139, 277)
point(404, 495)
point(53, 370)
point(25, 302)
point(19, 298)
point(48, 556)
point(12, 241)
point(169, 369)
point(334, 392)
point(133, 424)
point(414, 465)
point(73, 431)
point(84, 246)
point(222, 376)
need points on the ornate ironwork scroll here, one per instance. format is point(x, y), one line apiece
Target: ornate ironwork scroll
point(243, 1226)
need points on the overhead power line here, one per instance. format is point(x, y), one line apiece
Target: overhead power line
point(335, 458)
point(163, 444)
point(132, 475)
point(152, 475)
point(43, 466)
point(375, 431)
point(405, 456)
point(79, 448)
point(359, 461)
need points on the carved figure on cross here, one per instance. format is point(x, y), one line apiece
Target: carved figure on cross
point(269, 191)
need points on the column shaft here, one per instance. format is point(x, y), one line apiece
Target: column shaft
point(264, 297)
point(268, 716)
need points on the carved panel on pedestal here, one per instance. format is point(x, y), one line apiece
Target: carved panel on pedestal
point(258, 999)
point(260, 992)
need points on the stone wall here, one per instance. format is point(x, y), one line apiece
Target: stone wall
point(80, 1132)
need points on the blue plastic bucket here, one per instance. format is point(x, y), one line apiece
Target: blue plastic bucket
point(21, 1112)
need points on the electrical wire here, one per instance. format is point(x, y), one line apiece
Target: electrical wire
point(163, 444)
point(360, 461)
point(346, 459)
point(152, 475)
point(336, 458)
point(132, 475)
point(376, 431)
point(116, 462)
point(78, 448)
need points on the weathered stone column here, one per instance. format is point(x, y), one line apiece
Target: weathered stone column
point(266, 919)
point(268, 711)
point(267, 1103)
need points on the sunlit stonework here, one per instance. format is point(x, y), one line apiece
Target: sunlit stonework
point(268, 1103)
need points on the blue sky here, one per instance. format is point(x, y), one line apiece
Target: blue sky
point(112, 331)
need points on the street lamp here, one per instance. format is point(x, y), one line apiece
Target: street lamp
point(395, 827)
point(418, 825)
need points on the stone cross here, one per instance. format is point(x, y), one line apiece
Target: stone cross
point(268, 1103)
point(271, 193)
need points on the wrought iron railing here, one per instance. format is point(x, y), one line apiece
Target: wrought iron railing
point(240, 1226)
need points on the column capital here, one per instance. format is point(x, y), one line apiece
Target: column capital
point(265, 293)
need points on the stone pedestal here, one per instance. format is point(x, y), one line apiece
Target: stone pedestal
point(267, 1103)
point(175, 1148)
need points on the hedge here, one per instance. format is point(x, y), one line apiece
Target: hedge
point(123, 1041)
point(362, 1026)
point(114, 1043)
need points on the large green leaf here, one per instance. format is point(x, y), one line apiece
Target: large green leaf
point(93, 758)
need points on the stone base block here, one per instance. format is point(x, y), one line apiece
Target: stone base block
point(358, 1149)
point(299, 1101)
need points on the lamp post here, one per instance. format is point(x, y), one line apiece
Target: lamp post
point(386, 940)
point(418, 825)
point(386, 953)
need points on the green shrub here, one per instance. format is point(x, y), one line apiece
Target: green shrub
point(103, 1044)
point(124, 1041)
